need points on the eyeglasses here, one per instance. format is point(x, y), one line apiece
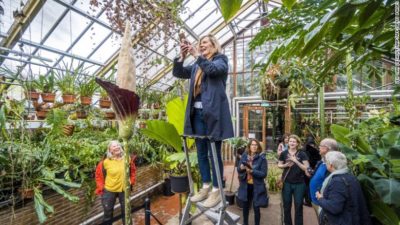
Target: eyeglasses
point(254, 144)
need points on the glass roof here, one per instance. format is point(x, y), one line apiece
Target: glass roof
point(71, 31)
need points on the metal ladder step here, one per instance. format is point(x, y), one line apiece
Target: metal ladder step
point(214, 216)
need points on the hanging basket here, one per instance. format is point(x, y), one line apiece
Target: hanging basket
point(68, 99)
point(48, 97)
point(105, 103)
point(86, 100)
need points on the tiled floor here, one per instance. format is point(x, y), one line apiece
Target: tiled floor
point(166, 209)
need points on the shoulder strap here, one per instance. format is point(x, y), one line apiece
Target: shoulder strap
point(103, 170)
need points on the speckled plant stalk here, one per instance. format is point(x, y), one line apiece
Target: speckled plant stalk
point(125, 103)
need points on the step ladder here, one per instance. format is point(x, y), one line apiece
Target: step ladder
point(218, 214)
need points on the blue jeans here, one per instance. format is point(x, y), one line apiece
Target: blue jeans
point(297, 190)
point(204, 150)
point(108, 201)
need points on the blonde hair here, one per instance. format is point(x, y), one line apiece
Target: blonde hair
point(215, 43)
point(297, 139)
point(109, 154)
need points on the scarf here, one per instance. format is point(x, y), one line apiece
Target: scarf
point(329, 178)
point(197, 80)
point(249, 176)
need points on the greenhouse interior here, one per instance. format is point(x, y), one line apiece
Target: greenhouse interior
point(199, 112)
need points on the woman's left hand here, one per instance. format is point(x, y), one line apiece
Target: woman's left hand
point(318, 195)
point(293, 158)
point(193, 50)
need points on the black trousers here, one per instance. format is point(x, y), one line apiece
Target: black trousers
point(247, 206)
point(108, 201)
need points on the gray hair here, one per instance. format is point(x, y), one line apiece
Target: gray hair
point(109, 154)
point(330, 143)
point(337, 159)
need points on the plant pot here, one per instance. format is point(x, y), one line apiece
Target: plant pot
point(109, 115)
point(32, 95)
point(105, 103)
point(179, 184)
point(167, 187)
point(48, 97)
point(156, 105)
point(142, 125)
point(81, 114)
point(230, 197)
point(41, 114)
point(68, 99)
point(239, 202)
point(86, 100)
point(68, 130)
point(26, 193)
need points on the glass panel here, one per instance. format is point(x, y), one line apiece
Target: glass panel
point(205, 28)
point(199, 15)
point(108, 49)
point(190, 8)
point(43, 21)
point(7, 19)
point(67, 31)
point(90, 40)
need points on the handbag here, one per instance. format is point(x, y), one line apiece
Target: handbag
point(322, 218)
point(279, 182)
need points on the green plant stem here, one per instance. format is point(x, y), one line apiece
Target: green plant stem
point(349, 76)
point(322, 111)
point(127, 190)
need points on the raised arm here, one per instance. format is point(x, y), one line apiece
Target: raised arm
point(215, 68)
point(181, 71)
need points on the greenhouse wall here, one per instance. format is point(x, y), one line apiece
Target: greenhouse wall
point(66, 212)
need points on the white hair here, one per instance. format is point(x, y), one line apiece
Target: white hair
point(109, 154)
point(330, 143)
point(336, 159)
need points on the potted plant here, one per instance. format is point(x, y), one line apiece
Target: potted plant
point(86, 90)
point(175, 165)
point(66, 81)
point(109, 114)
point(46, 85)
point(104, 101)
point(30, 90)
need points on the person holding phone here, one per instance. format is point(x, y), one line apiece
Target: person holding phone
point(252, 171)
point(207, 111)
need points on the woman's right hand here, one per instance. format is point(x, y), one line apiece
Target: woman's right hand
point(184, 50)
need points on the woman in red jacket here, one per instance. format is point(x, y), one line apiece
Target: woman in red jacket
point(110, 177)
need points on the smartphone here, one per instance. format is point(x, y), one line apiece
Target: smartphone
point(247, 165)
point(182, 38)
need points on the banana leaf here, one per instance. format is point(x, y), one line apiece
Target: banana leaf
point(163, 132)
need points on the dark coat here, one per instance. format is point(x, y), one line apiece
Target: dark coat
point(343, 201)
point(260, 170)
point(215, 102)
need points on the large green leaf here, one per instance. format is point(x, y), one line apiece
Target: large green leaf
point(229, 8)
point(163, 132)
point(176, 112)
point(313, 39)
point(176, 109)
point(342, 22)
point(384, 213)
point(387, 189)
point(289, 3)
point(340, 133)
point(41, 205)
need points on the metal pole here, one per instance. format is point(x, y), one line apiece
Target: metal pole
point(147, 211)
point(217, 171)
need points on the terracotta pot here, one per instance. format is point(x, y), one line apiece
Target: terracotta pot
point(26, 193)
point(68, 130)
point(156, 105)
point(86, 100)
point(105, 103)
point(48, 97)
point(142, 125)
point(81, 114)
point(68, 99)
point(41, 114)
point(32, 95)
point(110, 115)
